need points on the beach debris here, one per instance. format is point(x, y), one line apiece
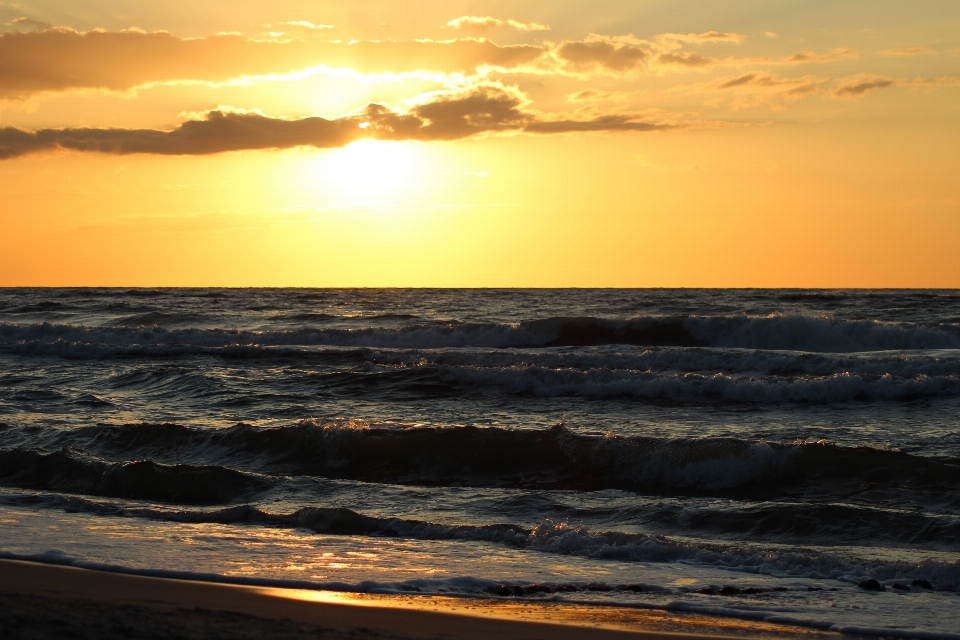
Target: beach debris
point(734, 591)
point(872, 585)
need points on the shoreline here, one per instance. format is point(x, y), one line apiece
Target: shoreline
point(101, 601)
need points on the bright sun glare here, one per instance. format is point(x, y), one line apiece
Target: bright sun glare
point(370, 171)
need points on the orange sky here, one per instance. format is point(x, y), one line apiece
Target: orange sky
point(480, 144)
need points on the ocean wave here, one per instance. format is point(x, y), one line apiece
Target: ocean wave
point(74, 472)
point(656, 374)
point(600, 383)
point(555, 458)
point(549, 537)
point(772, 332)
point(687, 360)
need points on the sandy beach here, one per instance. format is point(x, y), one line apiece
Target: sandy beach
point(44, 601)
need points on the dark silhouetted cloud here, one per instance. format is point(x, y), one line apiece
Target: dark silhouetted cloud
point(443, 115)
point(757, 81)
point(685, 59)
point(606, 54)
point(861, 85)
point(747, 78)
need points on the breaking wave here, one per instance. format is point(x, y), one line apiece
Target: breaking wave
point(548, 537)
point(74, 472)
point(554, 458)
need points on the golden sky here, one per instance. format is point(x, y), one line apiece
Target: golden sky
point(471, 143)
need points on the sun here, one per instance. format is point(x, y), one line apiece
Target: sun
point(374, 172)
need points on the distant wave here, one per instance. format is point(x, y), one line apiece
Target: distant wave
point(773, 332)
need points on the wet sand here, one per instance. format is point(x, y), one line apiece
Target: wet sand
point(46, 601)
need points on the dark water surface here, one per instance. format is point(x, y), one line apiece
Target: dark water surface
point(643, 447)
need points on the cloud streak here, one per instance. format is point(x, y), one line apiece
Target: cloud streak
point(910, 51)
point(478, 23)
point(757, 81)
point(709, 36)
point(833, 54)
point(443, 115)
point(862, 84)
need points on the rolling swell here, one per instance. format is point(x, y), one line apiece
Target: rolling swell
point(772, 332)
point(555, 458)
point(72, 472)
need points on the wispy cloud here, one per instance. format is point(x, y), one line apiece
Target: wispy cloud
point(478, 23)
point(708, 36)
point(833, 54)
point(910, 51)
point(303, 24)
point(762, 89)
point(26, 22)
point(766, 82)
point(857, 86)
point(597, 95)
point(862, 84)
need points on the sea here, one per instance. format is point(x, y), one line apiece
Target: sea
point(789, 456)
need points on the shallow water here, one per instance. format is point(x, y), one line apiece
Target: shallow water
point(639, 446)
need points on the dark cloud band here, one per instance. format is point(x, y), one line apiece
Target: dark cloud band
point(444, 116)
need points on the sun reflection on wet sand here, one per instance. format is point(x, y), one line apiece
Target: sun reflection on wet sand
point(558, 613)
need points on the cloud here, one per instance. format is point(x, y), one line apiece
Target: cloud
point(860, 85)
point(709, 36)
point(911, 51)
point(597, 95)
point(218, 132)
point(759, 89)
point(834, 54)
point(443, 115)
point(685, 59)
point(24, 21)
point(942, 81)
point(770, 34)
point(601, 123)
point(756, 81)
point(303, 24)
point(477, 23)
point(598, 53)
point(60, 59)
